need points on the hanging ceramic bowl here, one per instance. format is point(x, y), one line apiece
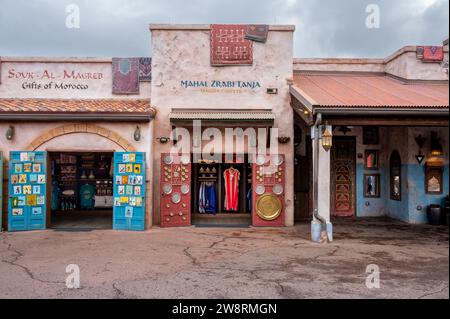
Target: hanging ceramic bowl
point(168, 159)
point(176, 198)
point(185, 160)
point(167, 189)
point(260, 190)
point(260, 160)
point(278, 189)
point(185, 189)
point(278, 159)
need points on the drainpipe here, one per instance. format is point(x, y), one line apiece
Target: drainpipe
point(317, 217)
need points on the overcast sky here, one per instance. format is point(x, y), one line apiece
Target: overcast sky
point(325, 28)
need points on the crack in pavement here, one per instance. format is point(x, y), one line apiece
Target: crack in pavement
point(16, 256)
point(328, 254)
point(433, 293)
point(119, 293)
point(194, 260)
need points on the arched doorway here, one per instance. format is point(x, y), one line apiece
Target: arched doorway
point(64, 179)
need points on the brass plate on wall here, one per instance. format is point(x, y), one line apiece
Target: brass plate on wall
point(268, 207)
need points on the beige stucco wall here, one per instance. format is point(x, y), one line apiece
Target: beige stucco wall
point(407, 66)
point(184, 54)
point(402, 63)
point(19, 72)
point(339, 65)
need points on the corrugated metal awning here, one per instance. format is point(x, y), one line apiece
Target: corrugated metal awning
point(370, 92)
point(214, 115)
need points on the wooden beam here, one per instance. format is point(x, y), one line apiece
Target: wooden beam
point(387, 121)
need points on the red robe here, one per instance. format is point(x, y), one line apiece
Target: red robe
point(232, 177)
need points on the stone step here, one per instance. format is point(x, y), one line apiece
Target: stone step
point(221, 219)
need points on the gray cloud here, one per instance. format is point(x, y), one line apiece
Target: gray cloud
point(325, 28)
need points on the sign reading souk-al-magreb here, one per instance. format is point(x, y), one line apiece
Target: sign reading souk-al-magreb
point(49, 79)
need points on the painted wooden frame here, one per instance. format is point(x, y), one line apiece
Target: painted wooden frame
point(372, 159)
point(374, 190)
point(434, 178)
point(395, 176)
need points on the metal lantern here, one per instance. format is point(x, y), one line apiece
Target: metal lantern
point(10, 133)
point(327, 139)
point(137, 134)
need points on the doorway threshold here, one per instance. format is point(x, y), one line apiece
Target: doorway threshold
point(222, 226)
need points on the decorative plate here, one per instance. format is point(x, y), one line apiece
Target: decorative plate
point(269, 207)
point(185, 160)
point(185, 189)
point(260, 189)
point(278, 159)
point(176, 198)
point(168, 159)
point(278, 189)
point(167, 188)
point(260, 160)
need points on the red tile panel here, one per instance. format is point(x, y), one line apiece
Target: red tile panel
point(74, 106)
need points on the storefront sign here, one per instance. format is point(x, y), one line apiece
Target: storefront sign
point(45, 79)
point(220, 85)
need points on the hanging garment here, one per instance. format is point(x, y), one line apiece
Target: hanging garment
point(232, 177)
point(210, 193)
point(56, 196)
point(87, 194)
point(201, 199)
point(207, 198)
point(249, 198)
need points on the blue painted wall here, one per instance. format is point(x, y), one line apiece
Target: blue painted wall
point(417, 196)
point(413, 177)
point(370, 207)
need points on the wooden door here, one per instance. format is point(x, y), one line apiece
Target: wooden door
point(343, 176)
point(27, 191)
point(175, 190)
point(129, 191)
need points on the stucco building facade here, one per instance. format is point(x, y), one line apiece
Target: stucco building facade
point(387, 120)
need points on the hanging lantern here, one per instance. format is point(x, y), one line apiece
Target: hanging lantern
point(137, 134)
point(10, 133)
point(327, 139)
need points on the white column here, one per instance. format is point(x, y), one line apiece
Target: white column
point(323, 163)
point(324, 180)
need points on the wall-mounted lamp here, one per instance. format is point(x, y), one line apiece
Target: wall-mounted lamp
point(327, 139)
point(10, 133)
point(284, 139)
point(137, 134)
point(420, 141)
point(345, 129)
point(163, 140)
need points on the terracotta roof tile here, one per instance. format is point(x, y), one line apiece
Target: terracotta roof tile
point(75, 106)
point(371, 91)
